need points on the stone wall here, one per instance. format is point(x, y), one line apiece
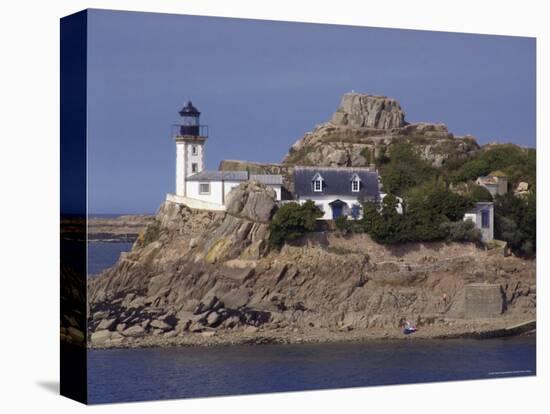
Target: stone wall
point(483, 300)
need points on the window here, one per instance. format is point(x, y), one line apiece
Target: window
point(204, 188)
point(320, 207)
point(318, 185)
point(355, 211)
point(355, 183)
point(485, 219)
point(194, 167)
point(194, 150)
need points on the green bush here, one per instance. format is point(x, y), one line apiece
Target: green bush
point(293, 220)
point(342, 224)
point(519, 164)
point(516, 222)
point(478, 193)
point(385, 226)
point(461, 231)
point(429, 206)
point(434, 199)
point(405, 169)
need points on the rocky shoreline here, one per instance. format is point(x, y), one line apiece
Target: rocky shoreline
point(487, 329)
point(201, 278)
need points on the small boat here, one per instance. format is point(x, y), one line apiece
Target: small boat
point(409, 329)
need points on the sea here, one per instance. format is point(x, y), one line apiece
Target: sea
point(103, 255)
point(119, 375)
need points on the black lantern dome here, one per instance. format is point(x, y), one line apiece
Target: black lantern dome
point(190, 120)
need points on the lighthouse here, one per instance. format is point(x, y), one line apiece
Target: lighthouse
point(190, 139)
point(197, 187)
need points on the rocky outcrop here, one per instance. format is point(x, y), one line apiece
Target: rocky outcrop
point(369, 111)
point(364, 127)
point(206, 278)
point(252, 201)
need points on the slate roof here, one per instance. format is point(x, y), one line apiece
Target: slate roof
point(274, 179)
point(218, 176)
point(337, 181)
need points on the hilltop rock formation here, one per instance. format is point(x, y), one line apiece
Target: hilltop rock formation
point(197, 277)
point(364, 127)
point(368, 111)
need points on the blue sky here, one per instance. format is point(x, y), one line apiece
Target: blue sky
point(260, 85)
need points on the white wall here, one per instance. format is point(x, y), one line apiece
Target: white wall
point(323, 203)
point(215, 195)
point(194, 203)
point(180, 168)
point(487, 234)
point(198, 158)
point(277, 189)
point(228, 186)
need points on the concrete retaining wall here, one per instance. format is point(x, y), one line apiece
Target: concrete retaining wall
point(483, 300)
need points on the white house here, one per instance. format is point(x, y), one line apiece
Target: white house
point(496, 183)
point(336, 191)
point(483, 217)
point(197, 187)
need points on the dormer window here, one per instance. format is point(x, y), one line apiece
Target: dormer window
point(355, 183)
point(317, 183)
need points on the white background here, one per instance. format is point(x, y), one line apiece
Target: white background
point(29, 159)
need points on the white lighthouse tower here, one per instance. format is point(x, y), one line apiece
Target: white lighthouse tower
point(189, 147)
point(196, 187)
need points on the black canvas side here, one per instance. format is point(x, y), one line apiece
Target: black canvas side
point(73, 369)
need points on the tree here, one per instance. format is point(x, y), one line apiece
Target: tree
point(342, 224)
point(293, 220)
point(471, 170)
point(384, 225)
point(405, 169)
point(436, 200)
point(516, 222)
point(519, 164)
point(478, 193)
point(428, 207)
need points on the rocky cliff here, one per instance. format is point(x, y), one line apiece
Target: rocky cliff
point(365, 126)
point(196, 277)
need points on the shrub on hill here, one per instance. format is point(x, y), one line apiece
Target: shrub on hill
point(518, 164)
point(516, 222)
point(404, 169)
point(461, 231)
point(293, 220)
point(429, 206)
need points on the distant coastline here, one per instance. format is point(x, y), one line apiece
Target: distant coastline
point(114, 228)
